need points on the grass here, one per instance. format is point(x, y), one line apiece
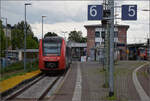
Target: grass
point(108, 98)
point(111, 98)
point(17, 69)
point(105, 85)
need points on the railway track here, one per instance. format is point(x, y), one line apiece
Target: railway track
point(36, 90)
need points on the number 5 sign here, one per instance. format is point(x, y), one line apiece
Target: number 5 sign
point(129, 12)
point(95, 12)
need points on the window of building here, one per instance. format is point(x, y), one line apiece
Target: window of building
point(97, 44)
point(97, 34)
point(115, 34)
point(103, 34)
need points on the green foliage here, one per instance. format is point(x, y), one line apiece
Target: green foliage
point(105, 85)
point(31, 43)
point(18, 37)
point(114, 98)
point(84, 39)
point(76, 36)
point(19, 66)
point(17, 69)
point(50, 34)
point(12, 67)
point(2, 40)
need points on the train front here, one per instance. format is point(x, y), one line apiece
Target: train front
point(52, 54)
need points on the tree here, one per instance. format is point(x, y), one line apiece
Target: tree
point(17, 39)
point(31, 43)
point(18, 36)
point(2, 40)
point(76, 36)
point(50, 34)
point(20, 26)
point(84, 39)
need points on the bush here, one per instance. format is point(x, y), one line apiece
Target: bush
point(20, 66)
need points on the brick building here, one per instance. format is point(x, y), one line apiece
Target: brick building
point(94, 35)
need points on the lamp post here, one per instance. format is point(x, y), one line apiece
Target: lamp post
point(42, 25)
point(0, 9)
point(25, 33)
point(64, 34)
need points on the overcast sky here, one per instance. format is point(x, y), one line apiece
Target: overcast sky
point(72, 15)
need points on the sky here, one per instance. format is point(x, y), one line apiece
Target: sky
point(72, 15)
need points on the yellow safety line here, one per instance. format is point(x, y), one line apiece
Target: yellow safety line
point(11, 82)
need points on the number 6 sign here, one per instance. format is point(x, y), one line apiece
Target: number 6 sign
point(129, 12)
point(95, 12)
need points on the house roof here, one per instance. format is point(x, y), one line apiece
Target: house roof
point(100, 25)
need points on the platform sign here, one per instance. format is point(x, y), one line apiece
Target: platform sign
point(129, 12)
point(95, 12)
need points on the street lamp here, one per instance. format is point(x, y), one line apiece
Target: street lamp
point(64, 34)
point(25, 33)
point(42, 25)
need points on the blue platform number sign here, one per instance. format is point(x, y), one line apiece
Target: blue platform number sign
point(129, 12)
point(95, 12)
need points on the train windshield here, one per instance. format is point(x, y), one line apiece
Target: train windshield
point(51, 48)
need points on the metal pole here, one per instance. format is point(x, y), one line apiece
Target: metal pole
point(111, 58)
point(42, 27)
point(25, 38)
point(64, 32)
point(6, 41)
point(0, 8)
point(25, 34)
point(1, 29)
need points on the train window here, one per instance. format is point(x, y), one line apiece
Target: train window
point(51, 48)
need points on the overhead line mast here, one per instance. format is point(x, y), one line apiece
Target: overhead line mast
point(108, 24)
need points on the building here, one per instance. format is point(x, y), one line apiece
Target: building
point(94, 39)
point(8, 32)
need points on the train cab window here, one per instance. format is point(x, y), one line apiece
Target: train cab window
point(51, 48)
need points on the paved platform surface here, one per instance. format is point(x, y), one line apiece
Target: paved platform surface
point(124, 86)
point(92, 81)
point(144, 79)
point(88, 84)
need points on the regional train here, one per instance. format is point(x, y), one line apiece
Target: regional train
point(54, 54)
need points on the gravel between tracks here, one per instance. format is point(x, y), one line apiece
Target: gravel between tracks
point(37, 89)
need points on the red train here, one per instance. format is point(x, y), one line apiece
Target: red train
point(54, 54)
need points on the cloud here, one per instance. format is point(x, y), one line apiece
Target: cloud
point(58, 28)
point(70, 15)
